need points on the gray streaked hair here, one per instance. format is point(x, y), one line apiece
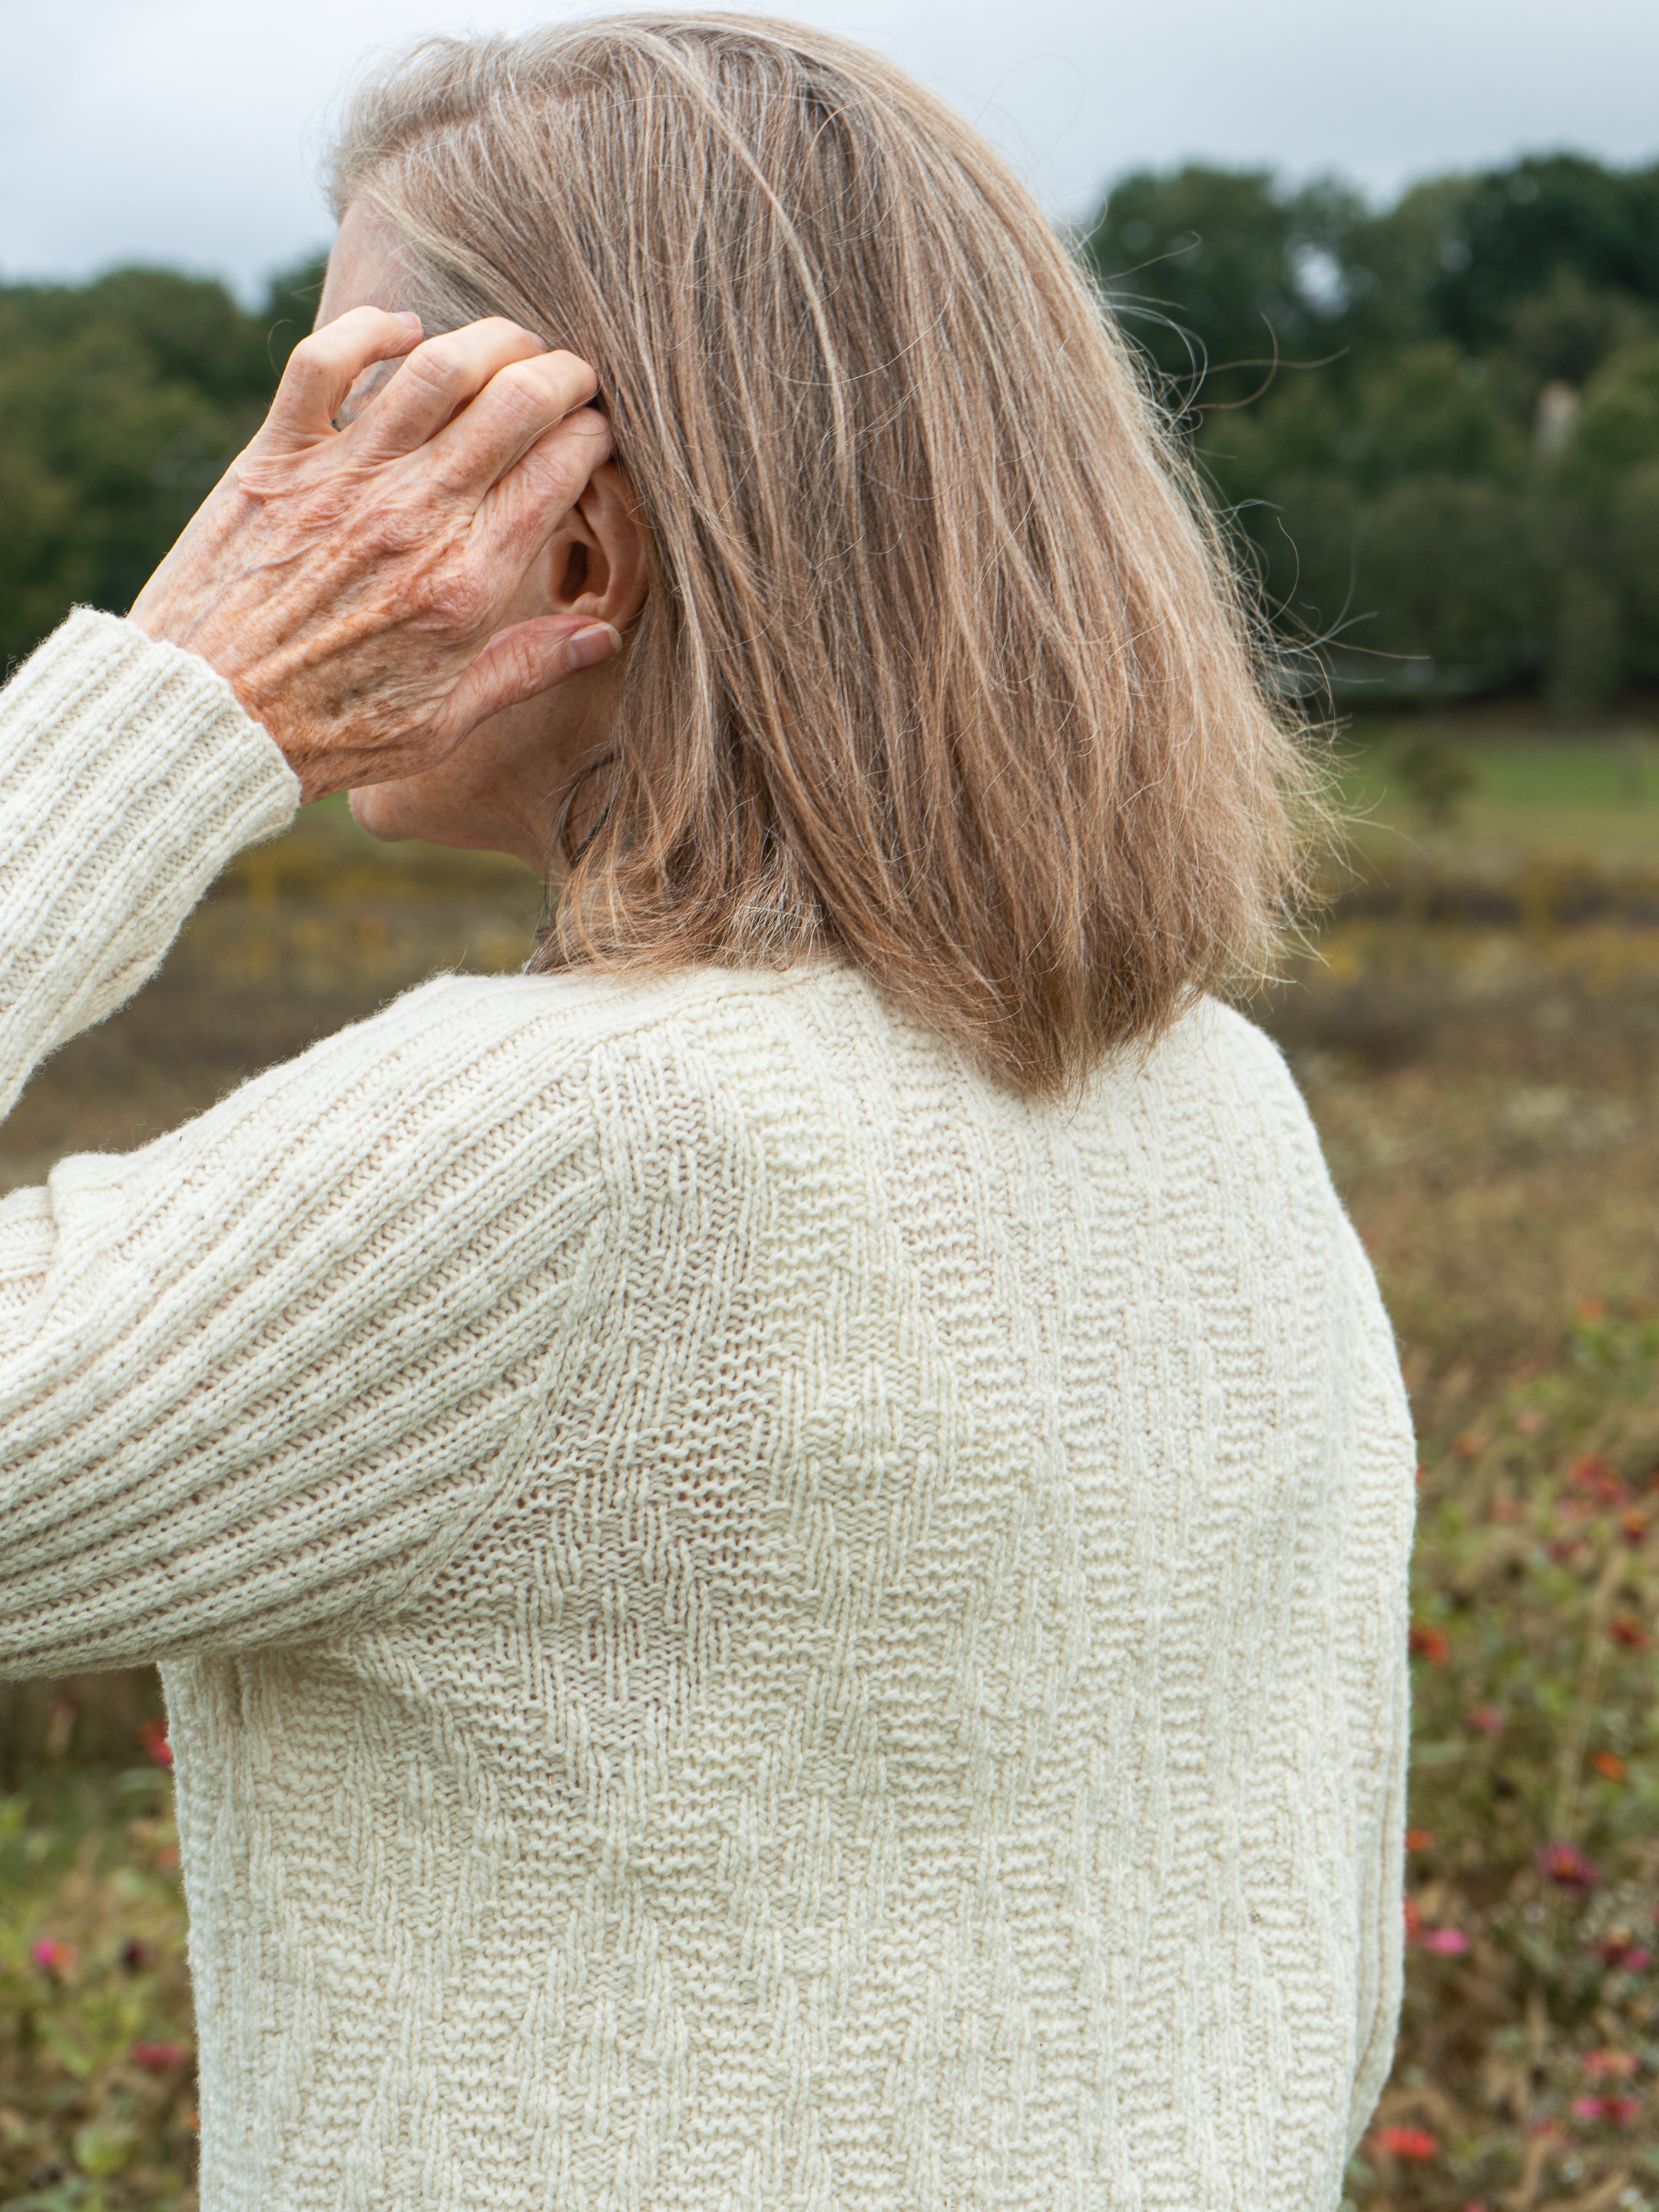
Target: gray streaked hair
point(943, 671)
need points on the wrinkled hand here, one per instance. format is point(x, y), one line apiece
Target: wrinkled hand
point(350, 584)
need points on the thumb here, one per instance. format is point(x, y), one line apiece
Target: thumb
point(521, 662)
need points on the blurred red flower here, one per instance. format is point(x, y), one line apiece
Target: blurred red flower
point(1414, 1920)
point(1622, 2111)
point(1414, 2143)
point(1628, 1632)
point(1486, 1720)
point(1566, 1864)
point(52, 1956)
point(1620, 1952)
point(1429, 1643)
point(1595, 1478)
point(159, 2058)
point(153, 1735)
point(1420, 1839)
point(1610, 2066)
point(1609, 1764)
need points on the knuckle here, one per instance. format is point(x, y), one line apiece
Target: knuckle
point(307, 364)
point(436, 363)
point(574, 373)
point(453, 599)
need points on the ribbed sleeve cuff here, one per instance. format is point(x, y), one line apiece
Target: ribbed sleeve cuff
point(128, 776)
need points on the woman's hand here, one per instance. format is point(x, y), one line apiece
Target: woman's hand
point(349, 584)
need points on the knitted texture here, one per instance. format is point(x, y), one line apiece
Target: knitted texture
point(748, 1620)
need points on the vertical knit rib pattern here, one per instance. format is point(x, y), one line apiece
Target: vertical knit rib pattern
point(749, 1622)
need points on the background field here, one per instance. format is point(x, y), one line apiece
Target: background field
point(1476, 1026)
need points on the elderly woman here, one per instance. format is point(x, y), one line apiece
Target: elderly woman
point(776, 1546)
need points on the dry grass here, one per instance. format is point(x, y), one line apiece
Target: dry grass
point(1486, 1094)
point(1479, 1043)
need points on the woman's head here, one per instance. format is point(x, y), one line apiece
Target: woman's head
point(935, 669)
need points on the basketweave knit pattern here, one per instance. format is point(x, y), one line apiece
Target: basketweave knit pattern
point(749, 1621)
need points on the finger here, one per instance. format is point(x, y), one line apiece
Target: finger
point(438, 380)
point(516, 408)
point(523, 662)
point(523, 509)
point(323, 367)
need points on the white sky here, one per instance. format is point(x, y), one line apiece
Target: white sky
point(182, 130)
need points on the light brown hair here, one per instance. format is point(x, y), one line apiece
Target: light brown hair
point(942, 671)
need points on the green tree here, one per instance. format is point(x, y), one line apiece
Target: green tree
point(1445, 478)
point(121, 402)
point(1217, 274)
point(1517, 228)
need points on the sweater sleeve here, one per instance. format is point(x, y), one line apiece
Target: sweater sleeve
point(259, 1379)
point(1378, 1604)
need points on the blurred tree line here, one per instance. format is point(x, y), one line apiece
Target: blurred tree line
point(1437, 425)
point(121, 401)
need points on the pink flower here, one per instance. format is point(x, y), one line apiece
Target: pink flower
point(1622, 2111)
point(52, 1956)
point(1623, 1955)
point(1566, 1864)
point(1450, 1942)
point(1486, 1720)
point(159, 2058)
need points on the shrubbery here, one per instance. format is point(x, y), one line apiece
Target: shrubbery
point(1436, 427)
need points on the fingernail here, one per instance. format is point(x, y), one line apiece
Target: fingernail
point(589, 646)
point(408, 315)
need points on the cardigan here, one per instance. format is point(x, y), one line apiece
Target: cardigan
point(748, 1619)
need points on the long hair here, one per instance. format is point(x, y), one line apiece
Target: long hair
point(942, 671)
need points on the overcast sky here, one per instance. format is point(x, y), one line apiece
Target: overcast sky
point(185, 130)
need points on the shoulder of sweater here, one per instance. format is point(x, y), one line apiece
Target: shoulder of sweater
point(1243, 1055)
point(584, 1011)
point(471, 1045)
point(574, 1017)
point(485, 1038)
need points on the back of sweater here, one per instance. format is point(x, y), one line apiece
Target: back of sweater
point(749, 1621)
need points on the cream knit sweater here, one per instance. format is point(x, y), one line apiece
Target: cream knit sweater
point(748, 1620)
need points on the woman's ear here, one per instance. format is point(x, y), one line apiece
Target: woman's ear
point(595, 562)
